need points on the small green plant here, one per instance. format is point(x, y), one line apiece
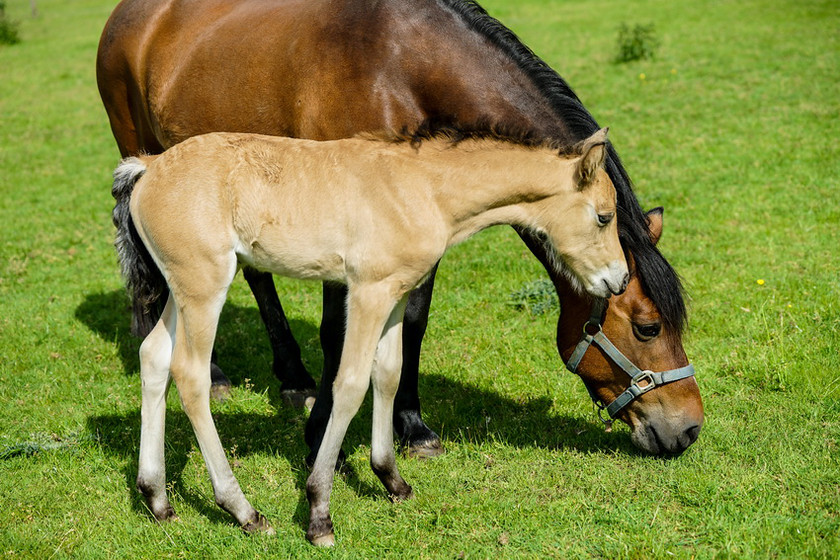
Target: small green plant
point(538, 297)
point(8, 29)
point(636, 43)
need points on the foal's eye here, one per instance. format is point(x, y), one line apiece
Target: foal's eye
point(605, 219)
point(647, 332)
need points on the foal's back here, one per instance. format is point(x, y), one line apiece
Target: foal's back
point(299, 208)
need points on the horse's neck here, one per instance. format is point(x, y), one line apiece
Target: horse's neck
point(460, 76)
point(487, 187)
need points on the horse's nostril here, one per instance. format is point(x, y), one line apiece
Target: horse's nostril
point(691, 434)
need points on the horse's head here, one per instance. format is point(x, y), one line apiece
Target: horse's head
point(583, 231)
point(665, 418)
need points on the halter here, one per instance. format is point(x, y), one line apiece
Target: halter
point(641, 381)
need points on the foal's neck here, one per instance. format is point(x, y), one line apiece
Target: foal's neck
point(492, 182)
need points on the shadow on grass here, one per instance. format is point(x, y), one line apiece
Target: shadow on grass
point(459, 412)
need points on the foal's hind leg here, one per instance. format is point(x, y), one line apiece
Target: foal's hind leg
point(195, 331)
point(155, 357)
point(386, 377)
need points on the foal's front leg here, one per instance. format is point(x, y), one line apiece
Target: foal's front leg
point(369, 308)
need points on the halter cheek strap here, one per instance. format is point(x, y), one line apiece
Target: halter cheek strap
point(641, 381)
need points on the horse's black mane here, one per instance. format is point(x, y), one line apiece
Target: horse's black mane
point(659, 280)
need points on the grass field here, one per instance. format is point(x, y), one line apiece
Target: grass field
point(734, 127)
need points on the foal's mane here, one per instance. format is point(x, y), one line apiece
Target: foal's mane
point(659, 280)
point(454, 134)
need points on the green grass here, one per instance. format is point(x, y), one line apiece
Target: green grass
point(733, 127)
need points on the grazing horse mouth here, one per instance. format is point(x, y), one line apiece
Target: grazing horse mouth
point(647, 437)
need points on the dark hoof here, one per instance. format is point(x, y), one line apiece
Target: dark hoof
point(425, 449)
point(220, 387)
point(258, 525)
point(299, 398)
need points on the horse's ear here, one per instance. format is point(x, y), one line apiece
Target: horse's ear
point(593, 152)
point(654, 219)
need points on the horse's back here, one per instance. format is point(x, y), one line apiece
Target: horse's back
point(296, 65)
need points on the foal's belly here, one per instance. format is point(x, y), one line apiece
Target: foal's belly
point(294, 260)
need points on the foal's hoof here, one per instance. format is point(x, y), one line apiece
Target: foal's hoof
point(258, 525)
point(323, 541)
point(220, 387)
point(299, 398)
point(405, 494)
point(320, 533)
point(167, 515)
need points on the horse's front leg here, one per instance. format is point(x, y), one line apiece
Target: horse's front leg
point(408, 422)
point(297, 386)
point(368, 310)
point(386, 377)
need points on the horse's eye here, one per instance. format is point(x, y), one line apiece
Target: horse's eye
point(647, 332)
point(605, 219)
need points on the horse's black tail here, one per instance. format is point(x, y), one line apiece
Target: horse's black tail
point(143, 279)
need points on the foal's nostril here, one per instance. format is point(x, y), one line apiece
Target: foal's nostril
point(621, 286)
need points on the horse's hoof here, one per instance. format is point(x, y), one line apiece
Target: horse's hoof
point(258, 525)
point(425, 449)
point(220, 393)
point(220, 387)
point(299, 398)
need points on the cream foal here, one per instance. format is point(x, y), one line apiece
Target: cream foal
point(371, 213)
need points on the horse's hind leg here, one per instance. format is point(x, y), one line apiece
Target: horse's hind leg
point(198, 318)
point(155, 358)
point(297, 386)
point(368, 310)
point(386, 378)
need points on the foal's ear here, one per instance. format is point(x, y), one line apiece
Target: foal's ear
point(654, 219)
point(594, 153)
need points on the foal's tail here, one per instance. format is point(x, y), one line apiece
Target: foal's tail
point(143, 279)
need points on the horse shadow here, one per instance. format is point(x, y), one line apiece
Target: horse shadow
point(458, 411)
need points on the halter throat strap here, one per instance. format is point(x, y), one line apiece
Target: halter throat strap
point(641, 381)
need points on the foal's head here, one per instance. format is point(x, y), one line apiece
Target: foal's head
point(583, 229)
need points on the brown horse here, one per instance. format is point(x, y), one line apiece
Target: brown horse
point(168, 70)
point(220, 200)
